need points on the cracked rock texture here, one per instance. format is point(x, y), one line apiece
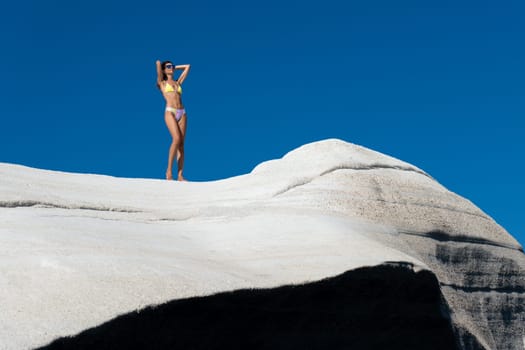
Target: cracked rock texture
point(79, 249)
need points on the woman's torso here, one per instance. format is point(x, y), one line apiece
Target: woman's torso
point(173, 98)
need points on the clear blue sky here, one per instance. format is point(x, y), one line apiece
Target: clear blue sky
point(436, 83)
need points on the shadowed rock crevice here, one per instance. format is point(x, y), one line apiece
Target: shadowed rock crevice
point(42, 204)
point(382, 307)
point(377, 166)
point(441, 236)
point(306, 181)
point(508, 290)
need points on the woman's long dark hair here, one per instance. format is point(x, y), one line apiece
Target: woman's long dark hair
point(162, 67)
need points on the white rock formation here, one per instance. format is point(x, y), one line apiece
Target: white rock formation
point(76, 249)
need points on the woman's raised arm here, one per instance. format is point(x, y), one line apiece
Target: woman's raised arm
point(186, 68)
point(159, 72)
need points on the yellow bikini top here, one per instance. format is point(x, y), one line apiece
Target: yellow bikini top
point(169, 88)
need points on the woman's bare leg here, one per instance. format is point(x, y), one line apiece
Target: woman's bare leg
point(176, 136)
point(180, 151)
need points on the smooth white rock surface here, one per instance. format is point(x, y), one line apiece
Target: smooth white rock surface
point(79, 249)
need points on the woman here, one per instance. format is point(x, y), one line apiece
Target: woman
point(175, 115)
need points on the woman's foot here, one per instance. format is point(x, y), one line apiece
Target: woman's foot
point(181, 178)
point(169, 175)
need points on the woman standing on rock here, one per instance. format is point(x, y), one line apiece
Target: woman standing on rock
point(175, 114)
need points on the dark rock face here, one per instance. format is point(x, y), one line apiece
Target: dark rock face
point(484, 285)
point(382, 307)
point(477, 269)
point(488, 282)
point(480, 267)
